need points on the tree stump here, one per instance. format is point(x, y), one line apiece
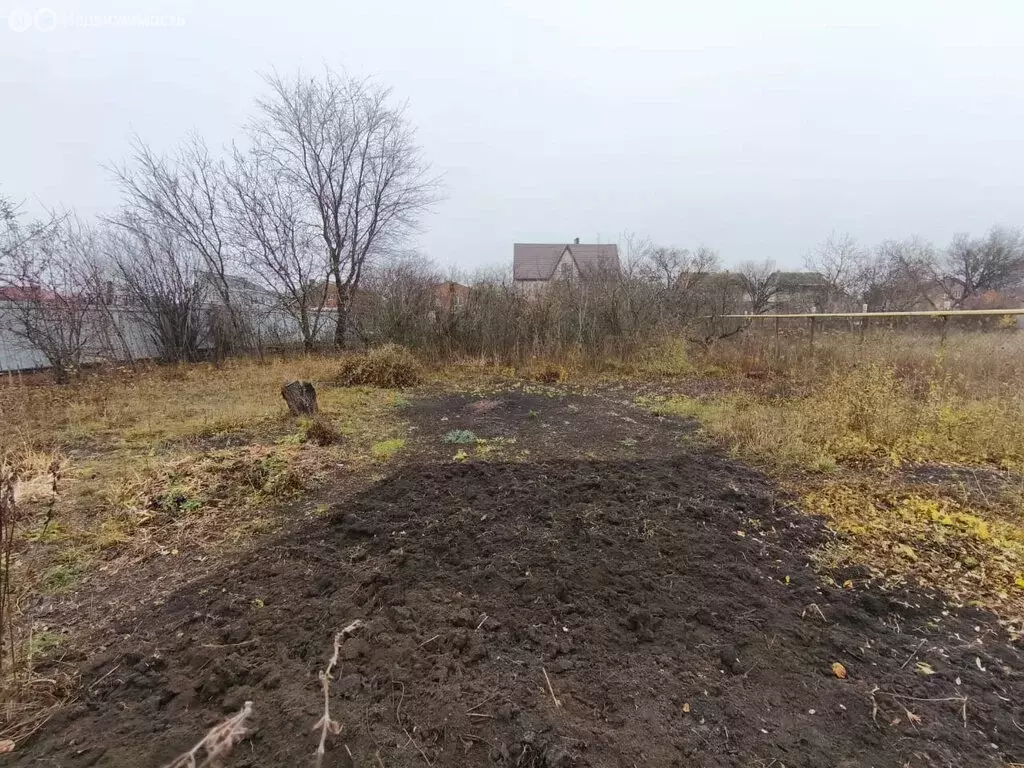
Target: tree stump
point(301, 398)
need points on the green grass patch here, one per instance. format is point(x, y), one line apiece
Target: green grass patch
point(59, 579)
point(386, 449)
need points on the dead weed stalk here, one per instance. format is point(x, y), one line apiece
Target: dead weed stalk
point(216, 745)
point(8, 522)
point(326, 723)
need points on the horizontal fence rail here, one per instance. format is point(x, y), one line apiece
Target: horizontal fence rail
point(925, 313)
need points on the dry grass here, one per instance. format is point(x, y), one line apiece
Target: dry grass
point(187, 462)
point(865, 414)
point(847, 430)
point(156, 405)
point(982, 363)
point(321, 431)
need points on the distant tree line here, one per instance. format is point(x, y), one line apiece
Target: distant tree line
point(306, 216)
point(899, 275)
point(327, 178)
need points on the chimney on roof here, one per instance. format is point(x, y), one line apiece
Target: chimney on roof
point(576, 241)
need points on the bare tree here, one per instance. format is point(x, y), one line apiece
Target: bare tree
point(898, 276)
point(991, 263)
point(353, 157)
point(49, 293)
point(184, 195)
point(679, 269)
point(278, 244)
point(760, 283)
point(839, 260)
point(161, 278)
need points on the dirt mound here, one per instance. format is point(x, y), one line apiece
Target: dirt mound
point(652, 612)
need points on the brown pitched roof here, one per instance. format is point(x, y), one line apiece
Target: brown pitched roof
point(537, 261)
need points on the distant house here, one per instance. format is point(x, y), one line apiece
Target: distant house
point(800, 292)
point(450, 295)
point(780, 292)
point(535, 265)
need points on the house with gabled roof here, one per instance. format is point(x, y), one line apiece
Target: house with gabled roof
point(535, 265)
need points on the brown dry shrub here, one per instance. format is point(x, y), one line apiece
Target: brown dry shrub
point(550, 373)
point(321, 432)
point(388, 367)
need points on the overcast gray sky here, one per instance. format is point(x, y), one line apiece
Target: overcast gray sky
point(754, 127)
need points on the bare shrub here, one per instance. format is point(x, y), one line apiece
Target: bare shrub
point(321, 432)
point(389, 367)
point(49, 275)
point(550, 373)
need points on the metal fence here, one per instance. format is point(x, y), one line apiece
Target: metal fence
point(119, 334)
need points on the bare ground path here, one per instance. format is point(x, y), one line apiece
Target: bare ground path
point(587, 586)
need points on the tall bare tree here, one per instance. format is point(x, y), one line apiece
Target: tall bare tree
point(839, 259)
point(972, 266)
point(352, 155)
point(277, 244)
point(899, 275)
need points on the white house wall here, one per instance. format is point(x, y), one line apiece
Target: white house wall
point(565, 260)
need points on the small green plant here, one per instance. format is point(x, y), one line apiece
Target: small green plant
point(533, 415)
point(460, 437)
point(59, 579)
point(52, 533)
point(43, 641)
point(178, 500)
point(385, 449)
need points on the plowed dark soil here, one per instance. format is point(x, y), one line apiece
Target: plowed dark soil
point(600, 594)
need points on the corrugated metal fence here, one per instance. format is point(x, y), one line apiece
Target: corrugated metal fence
point(108, 333)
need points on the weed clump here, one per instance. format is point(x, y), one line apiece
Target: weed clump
point(320, 431)
point(550, 373)
point(167, 493)
point(388, 367)
point(460, 437)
